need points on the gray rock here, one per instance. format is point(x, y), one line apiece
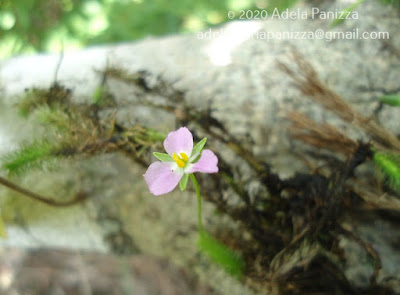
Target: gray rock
point(48, 271)
point(236, 75)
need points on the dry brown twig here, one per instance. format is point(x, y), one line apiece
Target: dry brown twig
point(307, 80)
point(320, 135)
point(37, 197)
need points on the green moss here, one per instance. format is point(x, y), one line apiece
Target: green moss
point(53, 97)
point(55, 118)
point(28, 157)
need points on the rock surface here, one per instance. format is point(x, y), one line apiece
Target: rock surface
point(47, 271)
point(238, 78)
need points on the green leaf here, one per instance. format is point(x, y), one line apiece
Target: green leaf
point(338, 21)
point(98, 95)
point(345, 13)
point(199, 147)
point(230, 261)
point(392, 100)
point(163, 157)
point(390, 165)
point(183, 182)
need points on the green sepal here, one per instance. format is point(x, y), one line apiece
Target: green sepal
point(392, 100)
point(183, 182)
point(199, 147)
point(163, 157)
point(196, 159)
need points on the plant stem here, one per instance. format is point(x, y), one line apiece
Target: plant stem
point(78, 198)
point(197, 189)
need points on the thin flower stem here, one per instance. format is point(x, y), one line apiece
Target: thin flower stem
point(78, 198)
point(197, 189)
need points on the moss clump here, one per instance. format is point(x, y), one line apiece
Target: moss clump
point(27, 157)
point(53, 97)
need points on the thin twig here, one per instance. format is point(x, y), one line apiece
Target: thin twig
point(368, 248)
point(298, 238)
point(48, 201)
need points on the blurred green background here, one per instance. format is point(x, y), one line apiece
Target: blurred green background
point(29, 26)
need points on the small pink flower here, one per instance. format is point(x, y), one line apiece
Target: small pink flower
point(182, 159)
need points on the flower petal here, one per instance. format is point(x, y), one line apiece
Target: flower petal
point(207, 164)
point(161, 178)
point(179, 141)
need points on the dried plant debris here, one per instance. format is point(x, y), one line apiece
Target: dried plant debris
point(307, 80)
point(291, 230)
point(73, 130)
point(320, 135)
point(307, 208)
point(77, 129)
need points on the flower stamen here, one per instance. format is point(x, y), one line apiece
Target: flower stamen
point(184, 157)
point(180, 160)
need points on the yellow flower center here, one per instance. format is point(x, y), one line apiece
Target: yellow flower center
point(180, 160)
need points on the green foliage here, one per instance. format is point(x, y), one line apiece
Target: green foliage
point(28, 157)
point(30, 23)
point(230, 261)
point(392, 100)
point(395, 3)
point(346, 12)
point(42, 25)
point(390, 166)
